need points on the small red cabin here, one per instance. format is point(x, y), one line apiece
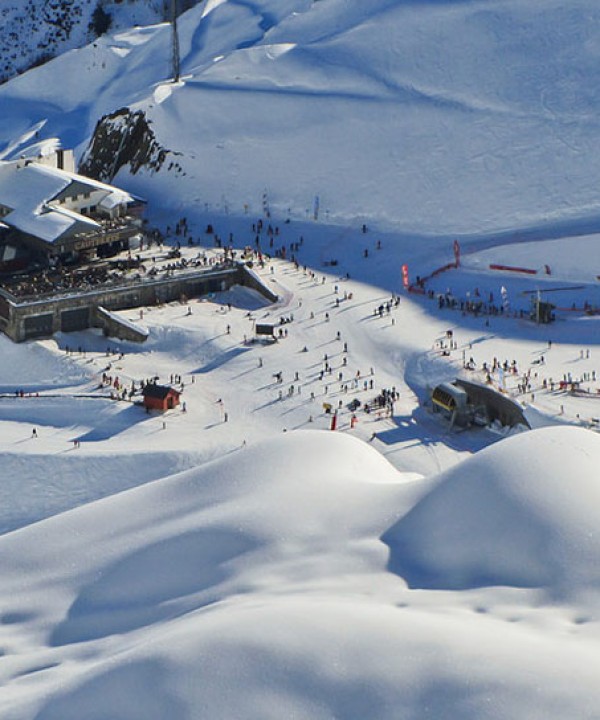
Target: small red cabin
point(160, 397)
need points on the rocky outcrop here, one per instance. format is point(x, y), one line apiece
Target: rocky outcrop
point(123, 138)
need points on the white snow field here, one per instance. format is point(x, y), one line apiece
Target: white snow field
point(435, 118)
point(236, 558)
point(248, 588)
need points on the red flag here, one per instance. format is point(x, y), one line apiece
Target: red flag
point(457, 253)
point(405, 281)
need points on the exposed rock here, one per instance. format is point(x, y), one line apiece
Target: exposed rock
point(122, 138)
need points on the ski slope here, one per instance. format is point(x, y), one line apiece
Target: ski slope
point(458, 118)
point(240, 559)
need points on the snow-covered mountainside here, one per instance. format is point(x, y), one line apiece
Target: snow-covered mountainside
point(35, 31)
point(243, 556)
point(434, 118)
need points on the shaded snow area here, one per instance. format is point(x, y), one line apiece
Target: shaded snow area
point(302, 537)
point(257, 586)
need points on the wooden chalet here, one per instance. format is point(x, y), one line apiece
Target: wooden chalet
point(57, 214)
point(160, 397)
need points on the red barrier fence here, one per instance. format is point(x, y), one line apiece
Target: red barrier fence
point(511, 268)
point(439, 271)
point(420, 286)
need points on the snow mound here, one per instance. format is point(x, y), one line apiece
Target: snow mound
point(524, 513)
point(319, 659)
point(44, 366)
point(275, 504)
point(255, 587)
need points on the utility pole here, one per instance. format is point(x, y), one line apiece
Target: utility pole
point(175, 41)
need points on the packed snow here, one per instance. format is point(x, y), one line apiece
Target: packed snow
point(236, 557)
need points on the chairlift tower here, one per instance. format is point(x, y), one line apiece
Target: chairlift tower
point(175, 42)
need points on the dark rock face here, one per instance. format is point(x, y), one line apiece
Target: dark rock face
point(122, 138)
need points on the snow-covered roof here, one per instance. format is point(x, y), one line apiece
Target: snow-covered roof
point(50, 224)
point(81, 180)
point(28, 190)
point(114, 199)
point(29, 187)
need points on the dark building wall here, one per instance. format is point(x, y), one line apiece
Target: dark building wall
point(251, 280)
point(22, 321)
point(113, 326)
point(498, 406)
point(155, 403)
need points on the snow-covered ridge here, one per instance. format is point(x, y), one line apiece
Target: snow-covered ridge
point(34, 32)
point(431, 118)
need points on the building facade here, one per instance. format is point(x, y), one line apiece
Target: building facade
point(57, 215)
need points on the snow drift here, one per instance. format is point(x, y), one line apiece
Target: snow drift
point(255, 587)
point(524, 512)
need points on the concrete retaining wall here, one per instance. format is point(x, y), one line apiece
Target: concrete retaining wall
point(42, 318)
point(115, 326)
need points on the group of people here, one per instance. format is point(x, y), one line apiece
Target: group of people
point(523, 384)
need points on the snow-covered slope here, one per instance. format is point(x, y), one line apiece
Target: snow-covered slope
point(226, 562)
point(257, 586)
point(32, 33)
point(435, 118)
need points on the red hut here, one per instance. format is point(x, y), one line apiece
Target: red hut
point(160, 397)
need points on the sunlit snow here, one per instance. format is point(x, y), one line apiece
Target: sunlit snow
point(239, 558)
